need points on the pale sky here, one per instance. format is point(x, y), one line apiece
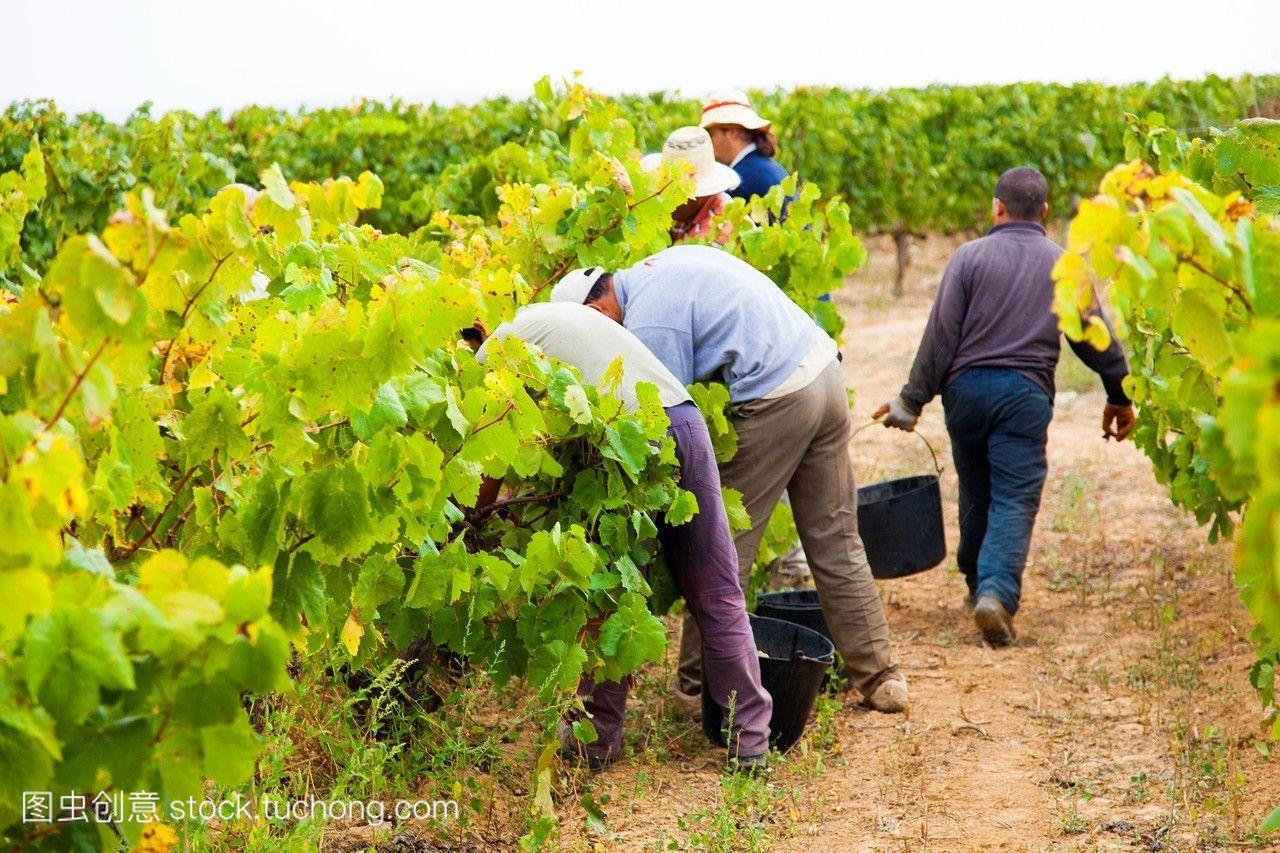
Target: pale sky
point(112, 56)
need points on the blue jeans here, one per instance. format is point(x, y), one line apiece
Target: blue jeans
point(999, 423)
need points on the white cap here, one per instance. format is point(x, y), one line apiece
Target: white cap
point(731, 107)
point(575, 286)
point(694, 145)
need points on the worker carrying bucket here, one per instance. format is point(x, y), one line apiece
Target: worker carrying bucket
point(990, 349)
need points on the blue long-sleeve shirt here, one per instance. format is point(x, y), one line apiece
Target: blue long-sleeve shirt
point(709, 315)
point(758, 175)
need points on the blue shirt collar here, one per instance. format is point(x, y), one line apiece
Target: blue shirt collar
point(749, 148)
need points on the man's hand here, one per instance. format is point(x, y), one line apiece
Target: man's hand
point(897, 415)
point(1117, 421)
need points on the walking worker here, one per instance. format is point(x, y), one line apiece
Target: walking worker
point(990, 349)
point(700, 554)
point(713, 181)
point(743, 141)
point(709, 315)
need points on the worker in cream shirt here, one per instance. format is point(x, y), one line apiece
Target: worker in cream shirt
point(700, 554)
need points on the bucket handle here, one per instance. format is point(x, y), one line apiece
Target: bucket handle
point(917, 434)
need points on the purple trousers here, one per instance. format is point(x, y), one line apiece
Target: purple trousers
point(704, 562)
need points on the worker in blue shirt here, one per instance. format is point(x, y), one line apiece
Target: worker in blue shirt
point(708, 315)
point(743, 141)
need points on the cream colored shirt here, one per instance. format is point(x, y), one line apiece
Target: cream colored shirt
point(816, 360)
point(588, 340)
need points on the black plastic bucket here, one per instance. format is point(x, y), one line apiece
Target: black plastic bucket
point(800, 606)
point(796, 662)
point(794, 605)
point(901, 523)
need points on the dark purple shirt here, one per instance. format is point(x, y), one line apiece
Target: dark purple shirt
point(994, 308)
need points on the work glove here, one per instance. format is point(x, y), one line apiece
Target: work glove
point(896, 414)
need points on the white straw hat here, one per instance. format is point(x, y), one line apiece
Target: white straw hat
point(694, 145)
point(731, 107)
point(575, 285)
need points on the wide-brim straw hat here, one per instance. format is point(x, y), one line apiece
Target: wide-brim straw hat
point(693, 144)
point(731, 107)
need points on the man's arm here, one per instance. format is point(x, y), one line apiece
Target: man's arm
point(1118, 417)
point(1110, 364)
point(940, 340)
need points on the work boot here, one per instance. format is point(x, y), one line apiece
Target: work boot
point(690, 704)
point(995, 623)
point(890, 697)
point(751, 765)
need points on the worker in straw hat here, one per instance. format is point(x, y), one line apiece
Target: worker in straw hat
point(712, 182)
point(743, 141)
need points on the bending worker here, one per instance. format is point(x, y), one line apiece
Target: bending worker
point(700, 554)
point(990, 349)
point(708, 315)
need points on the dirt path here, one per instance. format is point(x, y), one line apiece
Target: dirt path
point(1123, 719)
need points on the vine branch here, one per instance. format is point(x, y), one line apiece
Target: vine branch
point(186, 311)
point(523, 499)
point(1196, 265)
point(150, 532)
point(566, 264)
point(75, 385)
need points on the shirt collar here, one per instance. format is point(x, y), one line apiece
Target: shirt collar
point(751, 146)
point(1018, 225)
point(620, 289)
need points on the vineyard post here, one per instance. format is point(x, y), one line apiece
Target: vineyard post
point(902, 242)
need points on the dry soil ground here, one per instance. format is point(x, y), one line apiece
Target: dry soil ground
point(1123, 719)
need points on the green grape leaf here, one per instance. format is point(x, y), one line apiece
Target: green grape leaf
point(230, 751)
point(683, 507)
point(336, 504)
point(628, 445)
point(71, 654)
point(214, 426)
point(630, 637)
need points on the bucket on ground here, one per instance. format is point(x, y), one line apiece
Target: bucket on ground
point(802, 607)
point(900, 522)
point(793, 663)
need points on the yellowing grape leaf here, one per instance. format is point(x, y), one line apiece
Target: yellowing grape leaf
point(352, 632)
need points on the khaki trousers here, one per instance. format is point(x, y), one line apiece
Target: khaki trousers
point(800, 443)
